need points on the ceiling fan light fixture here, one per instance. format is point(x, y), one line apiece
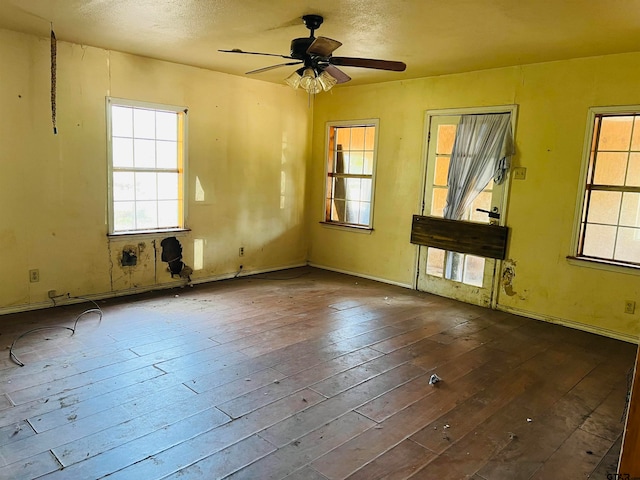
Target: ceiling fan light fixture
point(326, 81)
point(308, 79)
point(293, 80)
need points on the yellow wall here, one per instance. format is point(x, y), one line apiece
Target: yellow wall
point(553, 100)
point(244, 137)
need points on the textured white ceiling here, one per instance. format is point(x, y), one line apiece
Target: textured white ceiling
point(432, 37)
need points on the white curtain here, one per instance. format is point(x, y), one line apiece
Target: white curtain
point(481, 151)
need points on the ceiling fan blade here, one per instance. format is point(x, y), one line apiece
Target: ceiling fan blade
point(323, 46)
point(338, 74)
point(266, 69)
point(237, 50)
point(368, 63)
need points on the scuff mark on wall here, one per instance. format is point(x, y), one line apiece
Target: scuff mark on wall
point(508, 274)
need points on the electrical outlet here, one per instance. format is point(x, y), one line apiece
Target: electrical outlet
point(241, 252)
point(629, 306)
point(34, 275)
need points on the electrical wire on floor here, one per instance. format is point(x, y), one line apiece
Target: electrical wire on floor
point(97, 310)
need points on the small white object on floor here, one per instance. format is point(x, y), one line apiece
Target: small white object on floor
point(434, 379)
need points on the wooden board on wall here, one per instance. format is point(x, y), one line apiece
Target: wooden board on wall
point(473, 238)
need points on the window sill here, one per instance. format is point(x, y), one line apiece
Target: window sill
point(348, 227)
point(148, 233)
point(626, 268)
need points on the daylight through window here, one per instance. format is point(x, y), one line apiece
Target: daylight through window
point(350, 174)
point(147, 160)
point(610, 226)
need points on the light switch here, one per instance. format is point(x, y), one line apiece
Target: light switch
point(519, 173)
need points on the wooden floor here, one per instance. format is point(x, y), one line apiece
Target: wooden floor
point(307, 374)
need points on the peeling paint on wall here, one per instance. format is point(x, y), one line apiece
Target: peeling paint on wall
point(508, 274)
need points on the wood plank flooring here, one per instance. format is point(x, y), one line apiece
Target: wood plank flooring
point(310, 375)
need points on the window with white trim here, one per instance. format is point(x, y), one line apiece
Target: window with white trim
point(610, 221)
point(147, 159)
point(351, 158)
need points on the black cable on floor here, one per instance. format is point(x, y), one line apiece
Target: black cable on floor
point(97, 310)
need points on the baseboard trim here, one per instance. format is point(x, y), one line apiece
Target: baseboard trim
point(362, 275)
point(138, 290)
point(605, 332)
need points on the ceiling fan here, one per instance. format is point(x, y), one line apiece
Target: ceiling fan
point(319, 71)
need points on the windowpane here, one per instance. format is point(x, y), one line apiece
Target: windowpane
point(123, 186)
point(166, 126)
point(338, 211)
point(635, 139)
point(122, 151)
point(633, 172)
point(438, 202)
point(454, 264)
point(168, 186)
point(365, 189)
point(168, 213)
point(435, 262)
point(599, 241)
point(483, 201)
point(630, 212)
point(604, 207)
point(356, 163)
point(473, 270)
point(610, 168)
point(615, 133)
point(365, 213)
point(628, 245)
point(166, 154)
point(147, 214)
point(124, 217)
point(122, 121)
point(353, 189)
point(357, 138)
point(144, 123)
point(146, 186)
point(446, 136)
point(343, 138)
point(370, 138)
point(144, 153)
point(442, 170)
point(353, 210)
point(368, 163)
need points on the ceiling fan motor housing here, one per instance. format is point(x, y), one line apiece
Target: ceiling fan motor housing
point(299, 47)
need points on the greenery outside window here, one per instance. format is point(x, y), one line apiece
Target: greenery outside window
point(350, 178)
point(147, 160)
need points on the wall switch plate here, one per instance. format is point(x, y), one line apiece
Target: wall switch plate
point(629, 306)
point(519, 173)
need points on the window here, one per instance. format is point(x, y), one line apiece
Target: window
point(147, 157)
point(610, 221)
point(350, 173)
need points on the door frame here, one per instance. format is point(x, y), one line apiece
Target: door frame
point(428, 114)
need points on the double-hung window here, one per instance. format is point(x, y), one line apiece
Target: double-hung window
point(351, 158)
point(610, 220)
point(147, 159)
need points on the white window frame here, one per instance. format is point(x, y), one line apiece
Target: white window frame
point(182, 168)
point(574, 258)
point(375, 122)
